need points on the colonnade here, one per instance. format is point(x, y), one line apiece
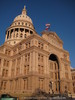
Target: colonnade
point(18, 33)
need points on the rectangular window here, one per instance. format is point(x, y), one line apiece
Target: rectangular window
point(25, 84)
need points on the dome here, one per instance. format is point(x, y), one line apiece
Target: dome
point(21, 28)
point(23, 16)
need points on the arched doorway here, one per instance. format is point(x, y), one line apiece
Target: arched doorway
point(54, 70)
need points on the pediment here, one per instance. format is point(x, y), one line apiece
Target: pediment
point(52, 38)
point(53, 35)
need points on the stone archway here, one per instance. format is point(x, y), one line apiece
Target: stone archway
point(54, 67)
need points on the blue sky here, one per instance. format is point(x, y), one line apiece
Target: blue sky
point(59, 13)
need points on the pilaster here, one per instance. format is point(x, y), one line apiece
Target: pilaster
point(2, 61)
point(10, 66)
point(45, 64)
point(33, 62)
point(36, 62)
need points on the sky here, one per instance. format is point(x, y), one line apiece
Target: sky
point(59, 13)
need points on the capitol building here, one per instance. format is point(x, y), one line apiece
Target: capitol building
point(29, 62)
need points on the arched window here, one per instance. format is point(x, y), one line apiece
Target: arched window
point(54, 60)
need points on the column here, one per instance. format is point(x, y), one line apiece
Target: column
point(14, 33)
point(10, 66)
point(30, 63)
point(44, 61)
point(23, 61)
point(15, 67)
point(33, 67)
point(29, 83)
point(9, 34)
point(8, 85)
point(6, 36)
point(4, 50)
point(0, 84)
point(23, 33)
point(36, 61)
point(47, 64)
point(22, 84)
point(2, 61)
point(21, 65)
point(19, 32)
point(13, 85)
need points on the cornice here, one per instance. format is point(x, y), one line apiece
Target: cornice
point(5, 56)
point(36, 36)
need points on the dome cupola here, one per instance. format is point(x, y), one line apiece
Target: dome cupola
point(23, 16)
point(21, 28)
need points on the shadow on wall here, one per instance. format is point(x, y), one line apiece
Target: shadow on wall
point(42, 95)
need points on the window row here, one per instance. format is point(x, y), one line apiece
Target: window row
point(16, 85)
point(22, 23)
point(21, 47)
point(26, 70)
point(18, 33)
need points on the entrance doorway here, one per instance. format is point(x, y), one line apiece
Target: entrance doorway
point(54, 70)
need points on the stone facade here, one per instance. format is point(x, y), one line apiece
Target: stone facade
point(29, 62)
point(73, 78)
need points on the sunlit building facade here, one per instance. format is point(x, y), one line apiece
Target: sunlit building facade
point(29, 62)
point(73, 78)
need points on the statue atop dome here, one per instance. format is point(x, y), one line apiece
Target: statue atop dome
point(24, 11)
